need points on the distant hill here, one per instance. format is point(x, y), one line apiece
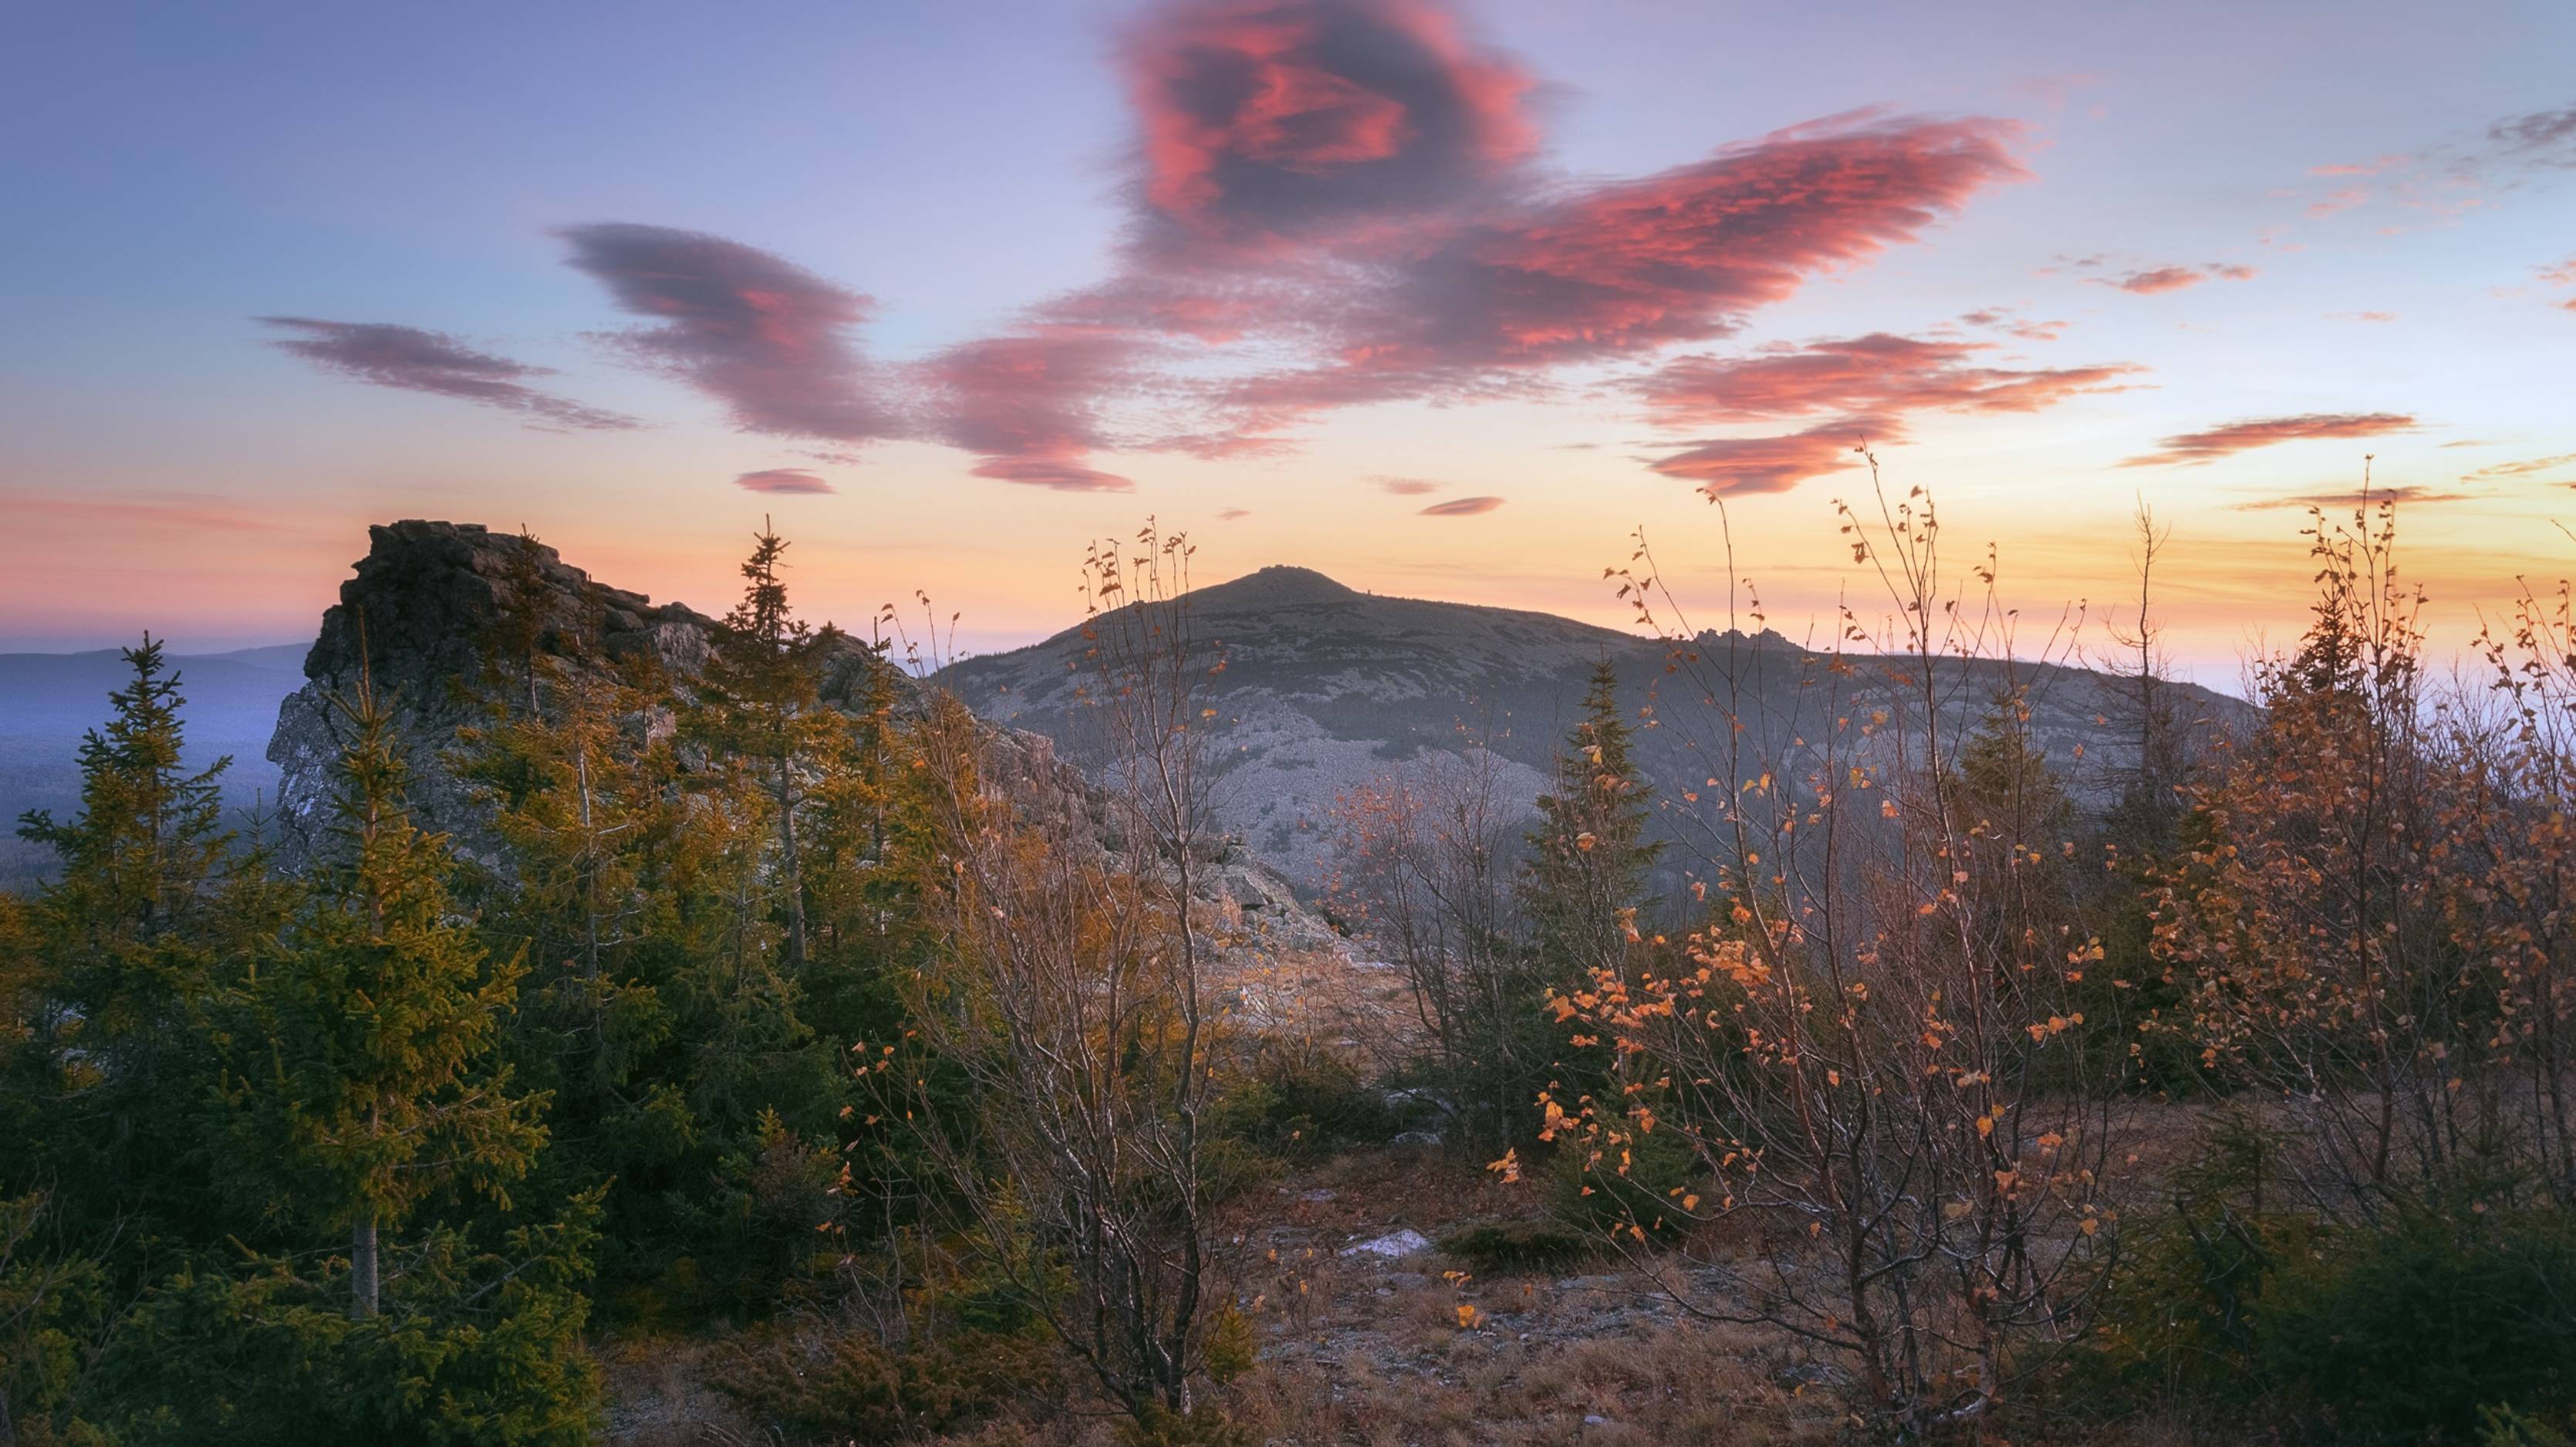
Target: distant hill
point(1327, 688)
point(49, 700)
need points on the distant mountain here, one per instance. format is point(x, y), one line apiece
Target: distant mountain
point(49, 700)
point(1327, 688)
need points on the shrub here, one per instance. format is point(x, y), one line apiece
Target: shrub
point(1505, 1248)
point(2403, 1332)
point(1206, 1427)
point(1601, 1198)
point(835, 1384)
point(1230, 1350)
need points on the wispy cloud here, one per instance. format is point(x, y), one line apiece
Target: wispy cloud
point(770, 340)
point(2529, 467)
point(1030, 403)
point(1459, 507)
point(1875, 383)
point(782, 480)
point(2548, 136)
point(1727, 466)
point(409, 359)
point(1407, 486)
point(2410, 494)
point(2194, 448)
point(2154, 281)
point(1351, 192)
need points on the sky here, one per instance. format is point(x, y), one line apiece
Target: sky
point(1445, 299)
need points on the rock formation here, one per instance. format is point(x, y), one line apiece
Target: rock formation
point(425, 615)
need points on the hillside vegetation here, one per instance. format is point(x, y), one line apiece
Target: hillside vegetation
point(653, 1028)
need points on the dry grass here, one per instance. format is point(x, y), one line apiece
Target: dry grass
point(1362, 1351)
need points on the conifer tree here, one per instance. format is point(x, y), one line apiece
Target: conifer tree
point(1589, 856)
point(124, 945)
point(766, 709)
point(370, 1080)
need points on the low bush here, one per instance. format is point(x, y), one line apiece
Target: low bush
point(1506, 1248)
point(829, 1383)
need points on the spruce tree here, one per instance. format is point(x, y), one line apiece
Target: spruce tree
point(765, 708)
point(1589, 856)
point(149, 906)
point(370, 1080)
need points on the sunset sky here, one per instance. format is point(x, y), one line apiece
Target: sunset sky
point(1444, 300)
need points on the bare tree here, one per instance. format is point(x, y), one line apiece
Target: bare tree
point(1424, 868)
point(1858, 1047)
point(1071, 994)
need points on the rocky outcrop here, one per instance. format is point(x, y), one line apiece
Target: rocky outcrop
point(421, 621)
point(433, 606)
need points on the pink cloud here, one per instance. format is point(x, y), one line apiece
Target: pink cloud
point(2410, 493)
point(767, 338)
point(1233, 514)
point(1728, 466)
point(1459, 507)
point(1029, 402)
point(1878, 374)
point(1625, 268)
point(2157, 280)
point(1408, 486)
point(409, 359)
point(2194, 448)
point(1270, 119)
point(1348, 192)
point(782, 480)
point(2529, 467)
point(1874, 383)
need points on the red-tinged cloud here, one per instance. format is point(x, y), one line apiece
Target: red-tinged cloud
point(1460, 507)
point(2194, 448)
point(1879, 375)
point(1342, 195)
point(1408, 486)
point(2407, 493)
point(2362, 168)
point(1029, 402)
point(1271, 120)
point(770, 340)
point(2157, 280)
point(782, 480)
point(2009, 321)
point(412, 360)
point(2528, 467)
point(1629, 267)
point(1869, 385)
point(1729, 466)
point(1233, 514)
point(1682, 256)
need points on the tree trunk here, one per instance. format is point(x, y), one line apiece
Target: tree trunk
point(362, 1268)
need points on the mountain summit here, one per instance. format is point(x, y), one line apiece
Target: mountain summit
point(1328, 689)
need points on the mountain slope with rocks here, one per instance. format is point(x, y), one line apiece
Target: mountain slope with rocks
point(1327, 689)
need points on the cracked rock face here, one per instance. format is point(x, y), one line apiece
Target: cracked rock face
point(417, 621)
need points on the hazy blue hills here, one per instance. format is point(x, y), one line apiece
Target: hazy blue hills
point(49, 700)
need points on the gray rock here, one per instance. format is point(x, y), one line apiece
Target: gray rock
point(1395, 1245)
